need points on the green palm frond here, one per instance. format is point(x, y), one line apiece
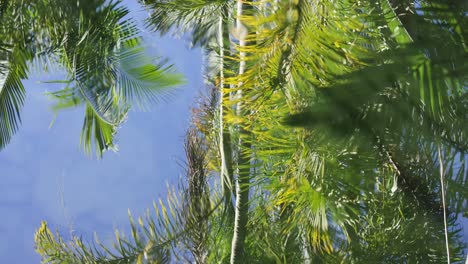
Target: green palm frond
point(419, 80)
point(11, 100)
point(139, 79)
point(108, 70)
point(199, 17)
point(54, 249)
point(14, 56)
point(101, 50)
point(431, 69)
point(12, 93)
point(98, 130)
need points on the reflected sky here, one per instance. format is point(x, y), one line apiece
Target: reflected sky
point(45, 175)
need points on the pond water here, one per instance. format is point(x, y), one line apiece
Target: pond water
point(46, 176)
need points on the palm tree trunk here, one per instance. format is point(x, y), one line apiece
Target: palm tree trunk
point(225, 149)
point(442, 190)
point(243, 164)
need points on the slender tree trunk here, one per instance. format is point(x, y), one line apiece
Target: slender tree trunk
point(444, 207)
point(225, 149)
point(243, 164)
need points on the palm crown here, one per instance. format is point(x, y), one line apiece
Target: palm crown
point(100, 49)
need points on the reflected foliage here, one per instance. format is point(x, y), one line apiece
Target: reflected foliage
point(350, 119)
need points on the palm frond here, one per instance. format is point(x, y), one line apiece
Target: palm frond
point(98, 130)
point(139, 79)
point(108, 70)
point(152, 240)
point(12, 93)
point(428, 74)
point(196, 16)
point(177, 226)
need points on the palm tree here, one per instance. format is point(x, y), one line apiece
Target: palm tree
point(99, 47)
point(208, 22)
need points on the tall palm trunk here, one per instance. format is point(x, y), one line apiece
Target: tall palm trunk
point(225, 149)
point(444, 207)
point(243, 163)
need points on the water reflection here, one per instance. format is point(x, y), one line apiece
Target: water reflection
point(348, 146)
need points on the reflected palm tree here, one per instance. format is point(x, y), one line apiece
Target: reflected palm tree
point(100, 48)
